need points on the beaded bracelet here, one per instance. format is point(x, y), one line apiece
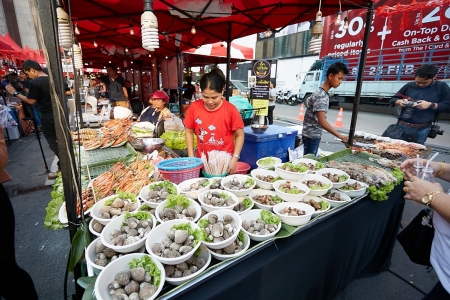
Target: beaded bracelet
point(441, 171)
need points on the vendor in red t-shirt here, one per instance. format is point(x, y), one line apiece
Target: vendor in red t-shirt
point(216, 122)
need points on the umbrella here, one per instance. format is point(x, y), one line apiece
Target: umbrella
point(220, 49)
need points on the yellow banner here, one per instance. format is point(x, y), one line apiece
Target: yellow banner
point(264, 104)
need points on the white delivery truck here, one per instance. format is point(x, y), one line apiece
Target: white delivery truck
point(384, 74)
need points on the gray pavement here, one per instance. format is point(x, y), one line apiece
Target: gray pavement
point(44, 253)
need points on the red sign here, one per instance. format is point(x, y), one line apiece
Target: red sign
point(398, 44)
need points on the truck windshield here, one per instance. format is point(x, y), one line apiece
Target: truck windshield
point(308, 77)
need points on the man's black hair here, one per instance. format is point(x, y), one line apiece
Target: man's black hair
point(31, 64)
point(426, 71)
point(112, 67)
point(188, 79)
point(336, 68)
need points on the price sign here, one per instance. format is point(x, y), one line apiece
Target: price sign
point(174, 108)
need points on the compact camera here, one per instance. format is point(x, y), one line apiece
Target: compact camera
point(9, 79)
point(434, 131)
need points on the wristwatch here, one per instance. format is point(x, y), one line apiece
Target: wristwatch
point(237, 156)
point(428, 197)
point(15, 94)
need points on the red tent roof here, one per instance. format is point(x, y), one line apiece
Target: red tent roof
point(34, 55)
point(4, 45)
point(11, 42)
point(108, 22)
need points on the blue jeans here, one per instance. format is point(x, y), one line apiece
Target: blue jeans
point(422, 133)
point(310, 146)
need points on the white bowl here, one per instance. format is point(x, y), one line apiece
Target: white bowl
point(206, 255)
point(306, 161)
point(336, 185)
point(241, 178)
point(109, 273)
point(255, 214)
point(334, 203)
point(355, 193)
point(159, 233)
point(193, 194)
point(146, 189)
point(237, 221)
point(288, 175)
point(116, 224)
point(263, 172)
point(210, 208)
point(291, 197)
point(95, 213)
point(163, 204)
point(294, 220)
point(248, 208)
point(277, 161)
point(320, 178)
point(89, 254)
point(91, 227)
point(308, 198)
point(227, 256)
point(262, 192)
point(213, 180)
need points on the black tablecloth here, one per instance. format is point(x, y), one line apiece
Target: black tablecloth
point(315, 263)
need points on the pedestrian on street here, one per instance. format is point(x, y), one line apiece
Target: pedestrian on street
point(16, 283)
point(422, 101)
point(272, 98)
point(40, 93)
point(316, 110)
point(433, 195)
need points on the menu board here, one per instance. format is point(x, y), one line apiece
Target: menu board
point(260, 92)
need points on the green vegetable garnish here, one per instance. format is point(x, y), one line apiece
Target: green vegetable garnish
point(171, 189)
point(398, 174)
point(247, 202)
point(177, 200)
point(145, 207)
point(250, 181)
point(140, 215)
point(277, 199)
point(203, 223)
point(380, 194)
point(269, 217)
point(205, 184)
point(199, 234)
point(176, 139)
point(225, 195)
point(319, 165)
point(149, 266)
point(267, 161)
point(277, 178)
point(290, 167)
point(343, 178)
point(121, 195)
point(320, 187)
point(241, 236)
point(324, 205)
point(52, 210)
point(294, 191)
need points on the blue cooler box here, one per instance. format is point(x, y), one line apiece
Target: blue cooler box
point(275, 141)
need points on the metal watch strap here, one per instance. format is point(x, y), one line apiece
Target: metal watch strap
point(237, 156)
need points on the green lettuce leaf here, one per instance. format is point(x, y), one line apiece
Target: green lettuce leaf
point(269, 217)
point(178, 200)
point(146, 262)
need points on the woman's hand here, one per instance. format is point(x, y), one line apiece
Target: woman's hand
point(416, 188)
point(232, 165)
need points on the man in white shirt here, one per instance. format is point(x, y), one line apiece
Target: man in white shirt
point(272, 98)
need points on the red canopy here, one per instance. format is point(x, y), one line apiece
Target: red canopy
point(34, 55)
point(220, 49)
point(108, 22)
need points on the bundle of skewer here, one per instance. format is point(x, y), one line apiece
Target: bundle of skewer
point(216, 163)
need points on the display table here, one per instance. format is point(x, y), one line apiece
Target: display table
point(315, 263)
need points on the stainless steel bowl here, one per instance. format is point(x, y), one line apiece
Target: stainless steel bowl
point(259, 128)
point(148, 144)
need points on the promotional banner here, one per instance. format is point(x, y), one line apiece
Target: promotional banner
point(260, 93)
point(399, 43)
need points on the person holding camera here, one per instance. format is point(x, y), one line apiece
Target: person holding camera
point(422, 101)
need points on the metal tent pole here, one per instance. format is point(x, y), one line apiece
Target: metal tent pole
point(361, 66)
point(227, 77)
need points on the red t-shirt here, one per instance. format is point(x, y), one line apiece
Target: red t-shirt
point(214, 129)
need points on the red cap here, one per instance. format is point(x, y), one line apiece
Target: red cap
point(160, 95)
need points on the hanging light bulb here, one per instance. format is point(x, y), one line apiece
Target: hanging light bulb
point(126, 49)
point(131, 29)
point(149, 55)
point(345, 23)
point(77, 31)
point(64, 30)
point(77, 58)
point(95, 43)
point(337, 22)
point(268, 32)
point(193, 30)
point(167, 57)
point(131, 62)
point(149, 28)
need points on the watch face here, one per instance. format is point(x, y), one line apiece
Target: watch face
point(426, 199)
